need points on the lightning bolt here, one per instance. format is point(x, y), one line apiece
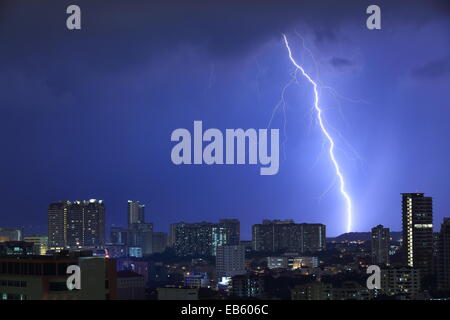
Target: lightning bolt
point(325, 132)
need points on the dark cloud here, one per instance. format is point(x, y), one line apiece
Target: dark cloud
point(433, 69)
point(119, 34)
point(223, 27)
point(325, 34)
point(340, 63)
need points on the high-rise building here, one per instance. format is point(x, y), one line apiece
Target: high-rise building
point(94, 223)
point(313, 237)
point(120, 236)
point(436, 249)
point(138, 237)
point(226, 232)
point(172, 234)
point(285, 235)
point(219, 237)
point(230, 261)
point(203, 238)
point(233, 230)
point(263, 236)
point(141, 235)
point(380, 245)
point(417, 230)
point(136, 213)
point(76, 224)
point(193, 238)
point(443, 257)
point(57, 224)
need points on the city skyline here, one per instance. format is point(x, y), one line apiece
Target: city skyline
point(74, 212)
point(167, 228)
point(284, 260)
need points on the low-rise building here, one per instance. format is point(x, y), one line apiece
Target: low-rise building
point(347, 290)
point(45, 278)
point(16, 248)
point(130, 285)
point(40, 244)
point(402, 281)
point(10, 234)
point(196, 279)
point(249, 286)
point(310, 291)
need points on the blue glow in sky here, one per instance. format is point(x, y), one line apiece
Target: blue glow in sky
point(89, 114)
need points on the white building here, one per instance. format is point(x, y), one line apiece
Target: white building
point(230, 261)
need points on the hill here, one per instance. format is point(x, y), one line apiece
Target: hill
point(362, 236)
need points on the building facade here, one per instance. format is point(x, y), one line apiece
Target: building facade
point(10, 234)
point(285, 235)
point(159, 242)
point(79, 224)
point(417, 227)
point(45, 277)
point(402, 281)
point(443, 256)
point(141, 236)
point(380, 243)
point(138, 237)
point(130, 285)
point(203, 238)
point(232, 230)
point(230, 261)
point(248, 286)
point(291, 262)
point(136, 213)
point(40, 244)
point(196, 280)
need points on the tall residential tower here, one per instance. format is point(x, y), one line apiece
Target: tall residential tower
point(443, 261)
point(417, 212)
point(135, 213)
point(76, 224)
point(380, 245)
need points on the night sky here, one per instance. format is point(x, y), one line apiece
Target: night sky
point(89, 113)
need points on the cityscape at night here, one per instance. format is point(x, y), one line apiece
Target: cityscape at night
point(238, 154)
point(209, 260)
